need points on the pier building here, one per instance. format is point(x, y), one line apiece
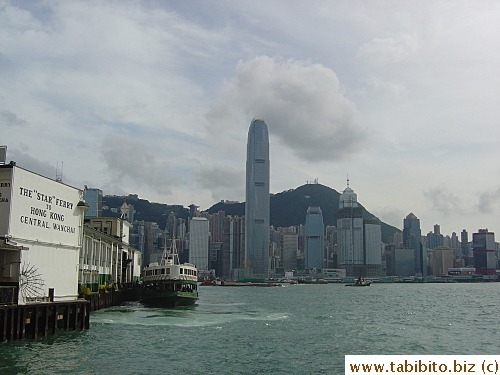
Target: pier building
point(106, 257)
point(43, 220)
point(49, 256)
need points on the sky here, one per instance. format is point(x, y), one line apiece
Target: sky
point(155, 98)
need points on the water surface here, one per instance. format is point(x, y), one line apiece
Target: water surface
point(297, 329)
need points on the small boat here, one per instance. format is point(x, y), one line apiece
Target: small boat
point(360, 282)
point(168, 283)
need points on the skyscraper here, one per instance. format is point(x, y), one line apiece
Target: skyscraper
point(315, 242)
point(233, 247)
point(359, 240)
point(93, 198)
point(199, 237)
point(350, 233)
point(483, 248)
point(464, 243)
point(442, 260)
point(257, 200)
point(289, 248)
point(412, 237)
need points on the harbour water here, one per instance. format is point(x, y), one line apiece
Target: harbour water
point(296, 329)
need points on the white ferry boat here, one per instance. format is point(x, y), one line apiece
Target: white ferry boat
point(168, 283)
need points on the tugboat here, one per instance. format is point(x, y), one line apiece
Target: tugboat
point(168, 283)
point(360, 282)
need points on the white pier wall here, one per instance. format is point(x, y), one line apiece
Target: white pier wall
point(44, 216)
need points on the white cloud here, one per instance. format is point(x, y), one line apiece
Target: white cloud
point(11, 119)
point(302, 104)
point(391, 50)
point(394, 89)
point(444, 201)
point(130, 164)
point(224, 182)
point(488, 201)
point(403, 96)
point(26, 161)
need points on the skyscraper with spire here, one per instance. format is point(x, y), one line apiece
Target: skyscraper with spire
point(350, 233)
point(257, 201)
point(359, 240)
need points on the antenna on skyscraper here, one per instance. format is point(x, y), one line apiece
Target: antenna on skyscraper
point(348, 180)
point(59, 173)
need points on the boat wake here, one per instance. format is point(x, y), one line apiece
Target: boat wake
point(186, 316)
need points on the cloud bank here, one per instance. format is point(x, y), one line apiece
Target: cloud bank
point(302, 104)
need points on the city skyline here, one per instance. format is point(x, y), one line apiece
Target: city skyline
point(154, 97)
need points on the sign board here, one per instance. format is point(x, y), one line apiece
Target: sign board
point(38, 208)
point(5, 190)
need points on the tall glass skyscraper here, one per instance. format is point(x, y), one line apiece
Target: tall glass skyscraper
point(257, 201)
point(412, 238)
point(93, 198)
point(350, 233)
point(359, 240)
point(314, 236)
point(483, 247)
point(198, 244)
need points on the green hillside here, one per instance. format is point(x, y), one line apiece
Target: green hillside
point(145, 210)
point(289, 207)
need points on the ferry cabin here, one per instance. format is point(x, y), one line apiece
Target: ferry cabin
point(156, 272)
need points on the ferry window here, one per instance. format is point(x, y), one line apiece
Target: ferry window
point(182, 271)
point(168, 271)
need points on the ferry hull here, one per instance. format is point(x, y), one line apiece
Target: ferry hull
point(170, 294)
point(162, 300)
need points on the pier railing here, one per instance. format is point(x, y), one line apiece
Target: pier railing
point(41, 319)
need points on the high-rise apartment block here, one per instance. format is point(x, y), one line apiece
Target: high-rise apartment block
point(442, 260)
point(257, 201)
point(233, 247)
point(289, 248)
point(217, 225)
